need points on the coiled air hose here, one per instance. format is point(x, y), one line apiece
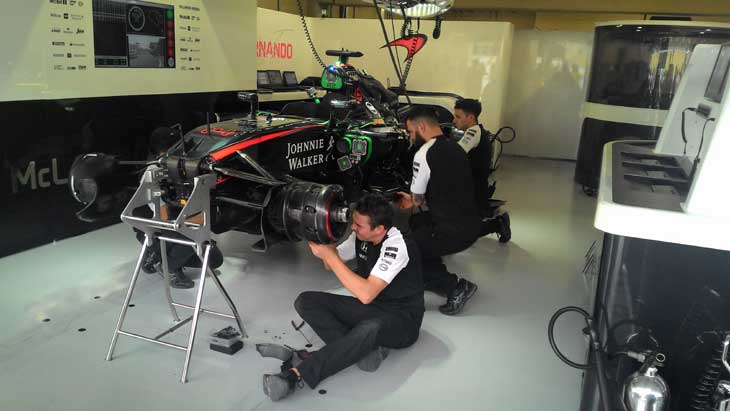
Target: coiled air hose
point(309, 37)
point(607, 400)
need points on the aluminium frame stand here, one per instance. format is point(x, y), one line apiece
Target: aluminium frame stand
point(184, 232)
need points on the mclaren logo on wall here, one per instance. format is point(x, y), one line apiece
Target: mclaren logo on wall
point(34, 177)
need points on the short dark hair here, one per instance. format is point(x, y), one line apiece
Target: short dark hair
point(377, 208)
point(422, 113)
point(469, 106)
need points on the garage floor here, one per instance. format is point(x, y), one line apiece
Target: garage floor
point(494, 356)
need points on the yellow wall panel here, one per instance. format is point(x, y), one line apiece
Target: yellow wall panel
point(311, 7)
point(470, 15)
point(212, 53)
point(715, 7)
point(520, 19)
point(722, 19)
point(289, 6)
point(552, 21)
point(365, 13)
point(268, 4)
point(473, 57)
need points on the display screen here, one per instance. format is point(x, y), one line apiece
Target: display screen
point(290, 78)
point(262, 78)
point(642, 66)
point(275, 78)
point(716, 85)
point(130, 33)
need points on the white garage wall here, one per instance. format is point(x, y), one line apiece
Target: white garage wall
point(274, 28)
point(470, 59)
point(48, 56)
point(546, 89)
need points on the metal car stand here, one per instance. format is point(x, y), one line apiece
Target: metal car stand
point(182, 230)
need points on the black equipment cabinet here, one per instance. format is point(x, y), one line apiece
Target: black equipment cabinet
point(653, 295)
point(635, 71)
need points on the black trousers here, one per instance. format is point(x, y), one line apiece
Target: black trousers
point(350, 330)
point(179, 256)
point(435, 243)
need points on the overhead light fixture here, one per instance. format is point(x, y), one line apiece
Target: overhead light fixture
point(416, 8)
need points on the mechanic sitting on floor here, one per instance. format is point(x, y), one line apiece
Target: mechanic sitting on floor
point(385, 312)
point(442, 180)
point(476, 142)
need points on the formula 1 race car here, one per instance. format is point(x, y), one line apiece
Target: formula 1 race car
point(281, 176)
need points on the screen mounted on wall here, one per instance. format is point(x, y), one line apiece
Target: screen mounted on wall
point(718, 79)
point(290, 78)
point(136, 34)
point(262, 78)
point(275, 78)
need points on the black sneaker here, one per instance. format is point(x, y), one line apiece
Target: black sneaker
point(181, 281)
point(458, 297)
point(489, 226)
point(150, 261)
point(505, 231)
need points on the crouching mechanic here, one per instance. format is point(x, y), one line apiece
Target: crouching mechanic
point(478, 146)
point(385, 312)
point(441, 181)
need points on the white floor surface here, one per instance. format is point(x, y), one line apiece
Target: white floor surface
point(493, 356)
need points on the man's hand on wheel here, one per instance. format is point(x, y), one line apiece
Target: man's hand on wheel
point(323, 251)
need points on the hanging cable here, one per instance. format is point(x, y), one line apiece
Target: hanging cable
point(499, 132)
point(684, 137)
point(390, 49)
point(392, 27)
point(406, 24)
point(309, 37)
point(437, 29)
point(551, 335)
point(406, 31)
point(407, 71)
point(696, 161)
point(496, 137)
point(607, 396)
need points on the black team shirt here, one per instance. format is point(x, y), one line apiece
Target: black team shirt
point(396, 261)
point(442, 172)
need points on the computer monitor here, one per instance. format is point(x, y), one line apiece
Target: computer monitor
point(718, 79)
point(290, 78)
point(275, 78)
point(132, 34)
point(262, 78)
